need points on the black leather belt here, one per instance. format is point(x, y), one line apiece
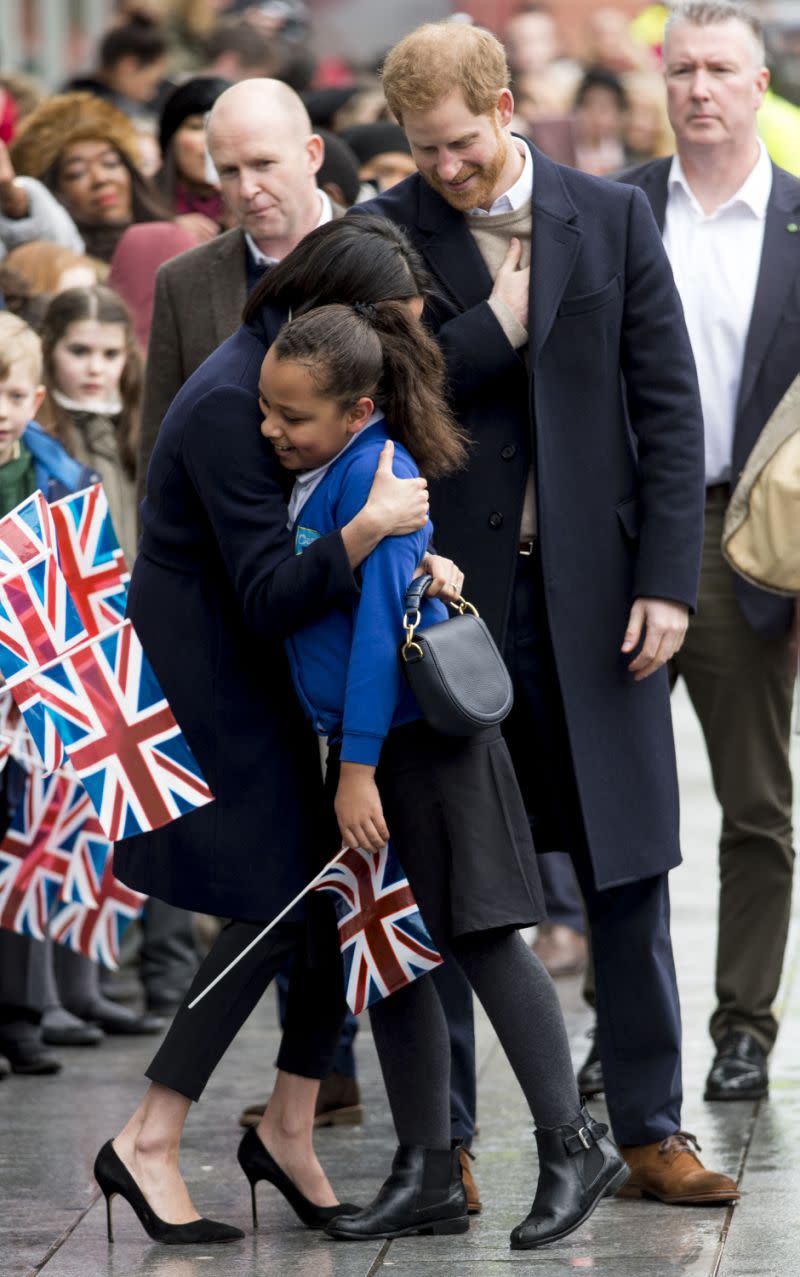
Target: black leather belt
point(718, 493)
point(526, 547)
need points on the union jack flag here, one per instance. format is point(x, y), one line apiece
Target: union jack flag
point(33, 862)
point(96, 933)
point(38, 620)
point(121, 735)
point(12, 730)
point(91, 558)
point(38, 736)
point(26, 532)
point(384, 941)
point(77, 831)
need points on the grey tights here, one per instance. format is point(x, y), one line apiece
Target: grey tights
point(411, 1038)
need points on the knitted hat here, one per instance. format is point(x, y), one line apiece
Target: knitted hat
point(68, 118)
point(340, 166)
point(368, 140)
point(194, 97)
point(322, 104)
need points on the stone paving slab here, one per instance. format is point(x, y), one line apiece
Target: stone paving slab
point(50, 1130)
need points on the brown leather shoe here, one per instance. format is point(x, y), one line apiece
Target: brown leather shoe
point(474, 1204)
point(671, 1172)
point(561, 950)
point(338, 1104)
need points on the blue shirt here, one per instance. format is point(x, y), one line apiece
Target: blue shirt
point(345, 666)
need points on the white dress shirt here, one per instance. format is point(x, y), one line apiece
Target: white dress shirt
point(715, 259)
point(516, 195)
point(260, 259)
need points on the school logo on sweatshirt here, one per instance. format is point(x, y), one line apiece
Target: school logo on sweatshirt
point(303, 538)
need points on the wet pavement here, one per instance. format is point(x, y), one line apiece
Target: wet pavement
point(52, 1222)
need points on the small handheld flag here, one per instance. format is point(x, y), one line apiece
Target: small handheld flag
point(384, 941)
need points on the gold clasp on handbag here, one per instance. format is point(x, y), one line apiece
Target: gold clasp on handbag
point(410, 626)
point(412, 650)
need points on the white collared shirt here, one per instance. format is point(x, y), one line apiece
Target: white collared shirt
point(715, 259)
point(516, 195)
point(260, 259)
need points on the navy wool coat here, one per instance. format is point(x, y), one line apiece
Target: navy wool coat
point(608, 409)
point(214, 590)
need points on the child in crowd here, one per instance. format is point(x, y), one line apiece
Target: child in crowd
point(93, 374)
point(29, 459)
point(334, 386)
point(41, 984)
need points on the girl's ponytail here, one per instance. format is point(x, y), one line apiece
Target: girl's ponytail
point(411, 393)
point(380, 351)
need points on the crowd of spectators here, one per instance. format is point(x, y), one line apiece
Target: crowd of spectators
point(109, 177)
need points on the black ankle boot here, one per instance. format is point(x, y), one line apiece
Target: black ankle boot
point(578, 1165)
point(424, 1194)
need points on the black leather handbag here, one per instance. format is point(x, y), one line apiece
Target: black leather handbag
point(454, 668)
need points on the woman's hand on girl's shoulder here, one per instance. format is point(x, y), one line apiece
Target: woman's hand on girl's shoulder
point(358, 808)
point(399, 506)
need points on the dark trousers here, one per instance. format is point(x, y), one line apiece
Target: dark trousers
point(344, 1061)
point(561, 895)
point(638, 1011)
point(315, 1007)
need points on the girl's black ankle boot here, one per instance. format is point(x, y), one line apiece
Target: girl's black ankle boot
point(578, 1165)
point(424, 1194)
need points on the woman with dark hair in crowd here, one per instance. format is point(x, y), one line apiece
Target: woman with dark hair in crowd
point(182, 178)
point(85, 151)
point(215, 588)
point(132, 61)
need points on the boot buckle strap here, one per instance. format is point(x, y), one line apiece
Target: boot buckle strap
point(584, 1138)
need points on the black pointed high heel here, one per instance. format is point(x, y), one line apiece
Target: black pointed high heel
point(258, 1163)
point(114, 1178)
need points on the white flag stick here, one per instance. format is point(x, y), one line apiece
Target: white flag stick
point(267, 929)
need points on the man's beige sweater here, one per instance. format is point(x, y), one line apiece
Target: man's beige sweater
point(493, 235)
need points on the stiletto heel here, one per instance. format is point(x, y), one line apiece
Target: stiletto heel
point(258, 1163)
point(114, 1178)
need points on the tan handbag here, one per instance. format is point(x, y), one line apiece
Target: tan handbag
point(761, 534)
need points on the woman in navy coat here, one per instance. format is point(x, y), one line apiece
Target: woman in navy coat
point(215, 589)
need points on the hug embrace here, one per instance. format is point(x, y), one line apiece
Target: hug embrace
point(218, 589)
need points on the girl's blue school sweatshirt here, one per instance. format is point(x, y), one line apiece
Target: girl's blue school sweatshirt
point(345, 666)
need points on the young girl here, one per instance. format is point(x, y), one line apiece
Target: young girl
point(93, 374)
point(450, 805)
